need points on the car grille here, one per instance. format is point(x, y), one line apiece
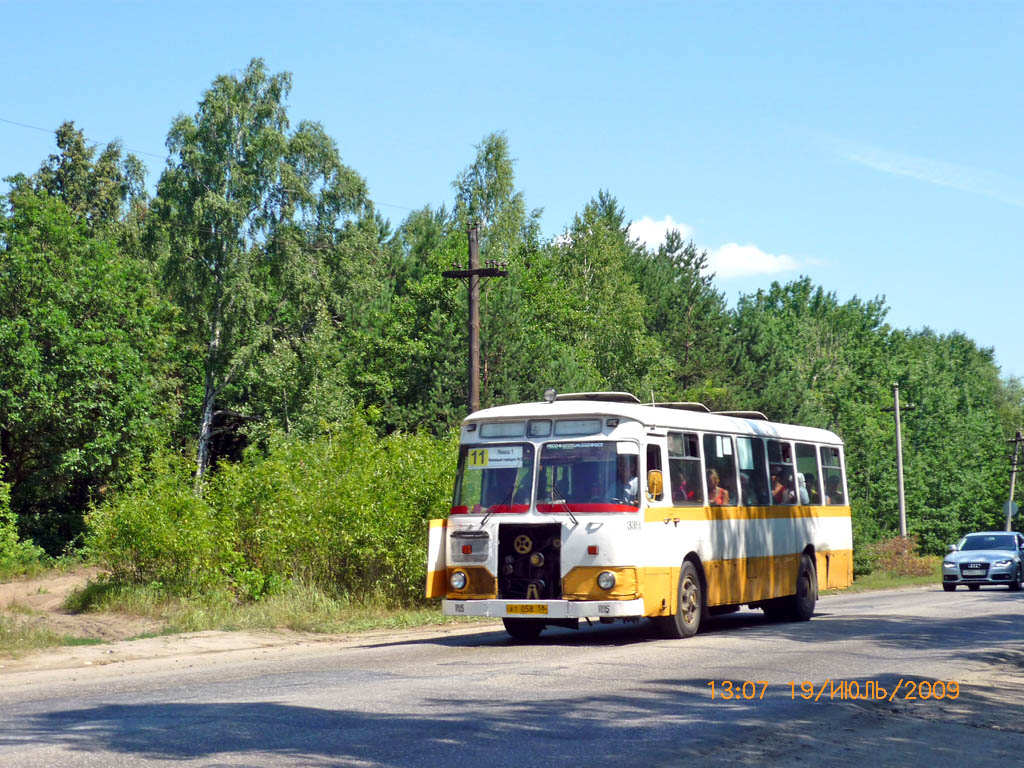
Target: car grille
point(974, 570)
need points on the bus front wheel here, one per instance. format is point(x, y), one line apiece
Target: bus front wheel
point(686, 620)
point(524, 630)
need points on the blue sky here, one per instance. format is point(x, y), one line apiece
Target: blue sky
point(875, 147)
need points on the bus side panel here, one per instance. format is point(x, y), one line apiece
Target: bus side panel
point(749, 554)
point(437, 577)
point(834, 548)
point(658, 589)
point(752, 579)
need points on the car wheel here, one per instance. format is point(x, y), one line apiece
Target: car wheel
point(686, 620)
point(974, 587)
point(1018, 582)
point(524, 630)
point(949, 587)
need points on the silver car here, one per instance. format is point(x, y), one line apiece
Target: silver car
point(990, 557)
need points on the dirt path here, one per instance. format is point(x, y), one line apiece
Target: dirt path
point(39, 602)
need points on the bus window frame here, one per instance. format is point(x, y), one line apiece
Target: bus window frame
point(765, 473)
point(841, 458)
point(731, 488)
point(699, 490)
point(814, 494)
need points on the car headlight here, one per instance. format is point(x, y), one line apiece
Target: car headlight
point(606, 579)
point(948, 564)
point(1002, 563)
point(458, 580)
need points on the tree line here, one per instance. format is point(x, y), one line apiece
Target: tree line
point(258, 304)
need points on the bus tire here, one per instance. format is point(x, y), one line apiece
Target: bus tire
point(523, 630)
point(799, 606)
point(685, 622)
point(806, 590)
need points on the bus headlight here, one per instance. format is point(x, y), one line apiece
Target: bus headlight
point(458, 580)
point(606, 580)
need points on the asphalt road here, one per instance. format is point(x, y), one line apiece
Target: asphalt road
point(608, 695)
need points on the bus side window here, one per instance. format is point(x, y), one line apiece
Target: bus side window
point(780, 467)
point(832, 472)
point(807, 474)
point(654, 462)
point(720, 461)
point(684, 468)
point(753, 471)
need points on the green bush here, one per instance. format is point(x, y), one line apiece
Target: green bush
point(345, 512)
point(159, 531)
point(16, 556)
point(899, 557)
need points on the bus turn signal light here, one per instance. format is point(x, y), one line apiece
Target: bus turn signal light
point(592, 549)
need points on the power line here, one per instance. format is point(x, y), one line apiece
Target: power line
point(88, 140)
point(165, 156)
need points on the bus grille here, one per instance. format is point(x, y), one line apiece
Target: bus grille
point(529, 562)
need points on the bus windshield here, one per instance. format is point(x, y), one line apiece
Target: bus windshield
point(593, 476)
point(493, 478)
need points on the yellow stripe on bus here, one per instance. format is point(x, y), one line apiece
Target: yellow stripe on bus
point(661, 514)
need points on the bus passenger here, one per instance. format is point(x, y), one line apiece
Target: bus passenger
point(811, 482)
point(782, 488)
point(801, 486)
point(834, 494)
point(629, 483)
point(716, 494)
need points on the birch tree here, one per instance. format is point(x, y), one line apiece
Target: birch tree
point(249, 211)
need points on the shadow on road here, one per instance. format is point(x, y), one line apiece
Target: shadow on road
point(523, 718)
point(667, 721)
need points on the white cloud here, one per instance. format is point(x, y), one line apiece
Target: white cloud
point(652, 233)
point(728, 261)
point(734, 260)
point(940, 173)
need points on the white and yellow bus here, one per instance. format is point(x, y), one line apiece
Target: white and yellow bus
point(597, 506)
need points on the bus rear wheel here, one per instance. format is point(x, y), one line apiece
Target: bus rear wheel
point(686, 620)
point(799, 606)
point(524, 630)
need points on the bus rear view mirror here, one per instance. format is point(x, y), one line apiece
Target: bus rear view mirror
point(655, 483)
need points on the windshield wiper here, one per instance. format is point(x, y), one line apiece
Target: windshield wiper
point(552, 490)
point(505, 502)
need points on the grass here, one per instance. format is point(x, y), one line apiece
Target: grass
point(18, 638)
point(299, 608)
point(15, 607)
point(884, 580)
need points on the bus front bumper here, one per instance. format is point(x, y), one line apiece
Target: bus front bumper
point(545, 609)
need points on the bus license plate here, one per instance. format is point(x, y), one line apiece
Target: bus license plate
point(527, 609)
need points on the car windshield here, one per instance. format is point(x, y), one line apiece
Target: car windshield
point(988, 541)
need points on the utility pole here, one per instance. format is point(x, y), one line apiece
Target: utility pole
point(899, 455)
point(473, 274)
point(1017, 440)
